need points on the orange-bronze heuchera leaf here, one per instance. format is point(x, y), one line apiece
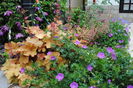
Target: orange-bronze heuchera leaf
point(41, 56)
point(34, 41)
point(23, 59)
point(28, 49)
point(35, 30)
point(42, 48)
point(11, 48)
point(11, 70)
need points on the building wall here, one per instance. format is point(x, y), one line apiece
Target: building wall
point(113, 12)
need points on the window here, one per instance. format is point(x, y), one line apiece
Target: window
point(126, 6)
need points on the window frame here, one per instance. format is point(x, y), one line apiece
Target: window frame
point(121, 7)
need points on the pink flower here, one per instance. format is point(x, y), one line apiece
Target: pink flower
point(19, 35)
point(53, 58)
point(76, 35)
point(130, 86)
point(22, 70)
point(39, 19)
point(84, 46)
point(89, 68)
point(110, 50)
point(45, 13)
point(110, 34)
point(60, 76)
point(109, 81)
point(49, 53)
point(74, 85)
point(113, 55)
point(101, 55)
point(77, 42)
point(8, 13)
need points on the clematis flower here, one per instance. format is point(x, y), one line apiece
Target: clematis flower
point(74, 85)
point(1, 33)
point(22, 70)
point(39, 19)
point(53, 58)
point(101, 55)
point(110, 34)
point(89, 68)
point(18, 24)
point(60, 76)
point(110, 50)
point(4, 28)
point(8, 13)
point(130, 86)
point(19, 35)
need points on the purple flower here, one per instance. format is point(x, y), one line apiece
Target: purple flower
point(65, 28)
point(110, 50)
point(113, 19)
point(101, 55)
point(92, 87)
point(109, 81)
point(60, 76)
point(119, 30)
point(89, 68)
point(76, 35)
point(118, 46)
point(18, 7)
point(39, 19)
point(110, 34)
point(84, 46)
point(22, 70)
point(56, 36)
point(127, 29)
point(4, 28)
point(53, 58)
point(113, 55)
point(45, 13)
point(18, 24)
point(130, 86)
point(77, 42)
point(19, 35)
point(1, 33)
point(74, 85)
point(49, 53)
point(125, 34)
point(121, 41)
point(8, 13)
point(37, 8)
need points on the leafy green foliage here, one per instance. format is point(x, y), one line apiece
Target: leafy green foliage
point(117, 35)
point(117, 71)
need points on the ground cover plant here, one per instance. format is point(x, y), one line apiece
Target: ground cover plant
point(55, 58)
point(71, 54)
